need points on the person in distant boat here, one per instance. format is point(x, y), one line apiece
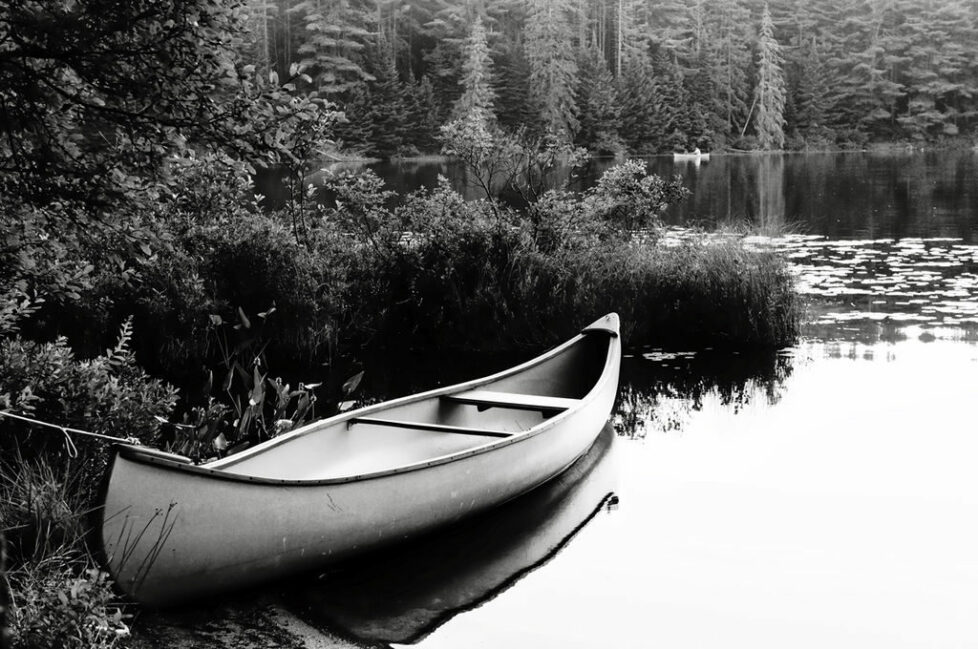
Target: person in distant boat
point(696, 151)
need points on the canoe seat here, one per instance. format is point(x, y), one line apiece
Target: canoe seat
point(490, 399)
point(441, 428)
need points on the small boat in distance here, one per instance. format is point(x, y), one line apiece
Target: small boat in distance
point(695, 156)
point(170, 530)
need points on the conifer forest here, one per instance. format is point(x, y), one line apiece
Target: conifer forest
point(636, 76)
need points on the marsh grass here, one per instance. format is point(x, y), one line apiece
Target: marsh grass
point(493, 290)
point(59, 597)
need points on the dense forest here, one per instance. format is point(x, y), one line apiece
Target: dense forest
point(641, 76)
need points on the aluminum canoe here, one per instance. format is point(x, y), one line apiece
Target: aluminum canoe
point(170, 530)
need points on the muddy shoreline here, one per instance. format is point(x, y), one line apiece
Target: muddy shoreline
point(263, 625)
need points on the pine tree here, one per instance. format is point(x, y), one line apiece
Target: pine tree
point(930, 39)
point(863, 93)
point(388, 117)
point(701, 117)
point(553, 70)
point(332, 49)
point(809, 89)
point(423, 120)
point(636, 94)
point(354, 132)
point(477, 94)
point(444, 70)
point(770, 93)
point(512, 88)
point(727, 57)
point(597, 105)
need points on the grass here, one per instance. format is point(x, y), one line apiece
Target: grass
point(59, 597)
point(493, 291)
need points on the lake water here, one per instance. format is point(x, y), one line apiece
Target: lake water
point(822, 496)
point(837, 195)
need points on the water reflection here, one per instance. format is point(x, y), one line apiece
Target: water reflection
point(661, 390)
point(403, 595)
point(837, 195)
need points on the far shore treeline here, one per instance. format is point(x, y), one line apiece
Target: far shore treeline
point(146, 295)
point(640, 76)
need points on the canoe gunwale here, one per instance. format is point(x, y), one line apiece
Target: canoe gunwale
point(148, 456)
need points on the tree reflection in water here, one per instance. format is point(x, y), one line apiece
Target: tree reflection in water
point(660, 390)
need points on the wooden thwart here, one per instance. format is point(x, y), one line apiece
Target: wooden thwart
point(490, 399)
point(442, 428)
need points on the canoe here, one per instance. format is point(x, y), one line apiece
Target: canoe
point(698, 157)
point(170, 530)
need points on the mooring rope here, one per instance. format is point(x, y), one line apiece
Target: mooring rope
point(68, 432)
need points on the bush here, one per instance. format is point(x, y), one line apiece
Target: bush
point(851, 138)
point(108, 394)
point(745, 143)
point(57, 608)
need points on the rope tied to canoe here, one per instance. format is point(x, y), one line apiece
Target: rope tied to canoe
point(68, 432)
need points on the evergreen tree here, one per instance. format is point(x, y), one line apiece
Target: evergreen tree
point(636, 94)
point(388, 116)
point(443, 65)
point(770, 93)
point(701, 118)
point(335, 41)
point(477, 95)
point(727, 58)
point(353, 133)
point(696, 124)
point(423, 117)
point(931, 35)
point(632, 36)
point(553, 70)
point(512, 88)
point(880, 68)
point(810, 88)
point(864, 94)
point(597, 105)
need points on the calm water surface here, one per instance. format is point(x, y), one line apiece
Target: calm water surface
point(838, 195)
point(822, 496)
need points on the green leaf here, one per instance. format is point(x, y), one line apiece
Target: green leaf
point(351, 384)
point(220, 442)
point(245, 322)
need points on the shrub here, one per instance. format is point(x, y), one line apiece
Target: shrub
point(56, 608)
point(108, 394)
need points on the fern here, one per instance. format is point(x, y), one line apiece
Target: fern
point(120, 355)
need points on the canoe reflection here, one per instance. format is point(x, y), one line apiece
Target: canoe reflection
point(402, 595)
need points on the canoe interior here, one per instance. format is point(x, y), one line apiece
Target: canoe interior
point(360, 446)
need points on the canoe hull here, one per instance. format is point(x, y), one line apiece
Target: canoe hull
point(172, 531)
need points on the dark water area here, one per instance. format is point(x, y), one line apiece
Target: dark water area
point(819, 495)
point(854, 195)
